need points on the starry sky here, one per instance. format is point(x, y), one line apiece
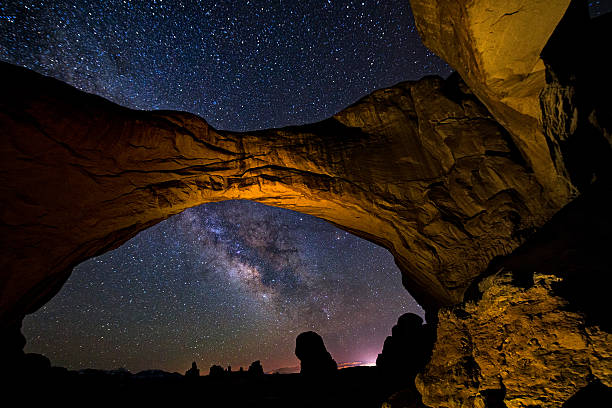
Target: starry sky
point(232, 282)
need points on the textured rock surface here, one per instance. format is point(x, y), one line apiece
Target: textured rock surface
point(515, 345)
point(420, 168)
point(496, 46)
point(532, 339)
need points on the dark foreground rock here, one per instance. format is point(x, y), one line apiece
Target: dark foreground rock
point(408, 349)
point(405, 354)
point(194, 371)
point(359, 387)
point(256, 368)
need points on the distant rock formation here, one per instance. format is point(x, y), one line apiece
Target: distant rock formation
point(405, 353)
point(216, 371)
point(146, 374)
point(194, 371)
point(407, 350)
point(314, 357)
point(255, 368)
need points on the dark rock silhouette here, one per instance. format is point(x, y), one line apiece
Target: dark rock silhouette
point(216, 371)
point(148, 375)
point(256, 368)
point(314, 357)
point(408, 349)
point(36, 362)
point(194, 371)
point(12, 343)
point(405, 353)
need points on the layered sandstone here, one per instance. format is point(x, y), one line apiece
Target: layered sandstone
point(420, 168)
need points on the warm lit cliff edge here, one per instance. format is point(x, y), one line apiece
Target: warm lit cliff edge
point(421, 168)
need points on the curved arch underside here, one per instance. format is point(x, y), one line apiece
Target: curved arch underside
point(420, 168)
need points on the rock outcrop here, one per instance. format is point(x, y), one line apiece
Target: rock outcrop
point(193, 372)
point(216, 371)
point(421, 169)
point(315, 360)
point(407, 350)
point(496, 48)
point(516, 346)
point(405, 354)
point(538, 330)
point(256, 368)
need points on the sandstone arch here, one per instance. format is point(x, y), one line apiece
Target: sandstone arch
point(420, 168)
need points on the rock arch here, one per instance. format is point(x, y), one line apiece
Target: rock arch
point(421, 169)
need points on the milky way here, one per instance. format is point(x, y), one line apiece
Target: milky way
point(232, 282)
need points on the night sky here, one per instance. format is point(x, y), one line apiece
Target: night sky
point(233, 282)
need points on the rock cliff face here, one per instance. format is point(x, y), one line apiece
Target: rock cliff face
point(538, 330)
point(420, 168)
point(515, 347)
point(496, 47)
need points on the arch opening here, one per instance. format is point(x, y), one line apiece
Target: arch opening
point(223, 283)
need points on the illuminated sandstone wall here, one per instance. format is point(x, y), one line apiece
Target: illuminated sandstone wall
point(534, 330)
point(496, 46)
point(538, 330)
